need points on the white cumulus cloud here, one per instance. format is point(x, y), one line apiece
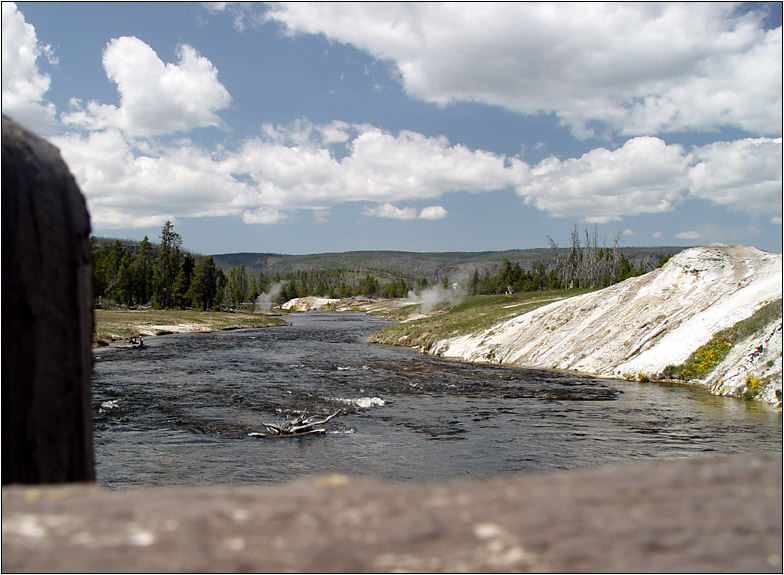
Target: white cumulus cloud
point(134, 182)
point(126, 186)
point(300, 167)
point(645, 175)
point(744, 175)
point(637, 68)
point(24, 85)
point(305, 167)
point(433, 213)
point(155, 97)
point(392, 212)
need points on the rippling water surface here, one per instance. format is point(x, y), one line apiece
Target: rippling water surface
point(180, 410)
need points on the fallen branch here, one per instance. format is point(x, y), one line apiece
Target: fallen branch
point(295, 428)
point(273, 434)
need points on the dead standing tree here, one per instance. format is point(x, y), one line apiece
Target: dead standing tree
point(588, 263)
point(615, 261)
point(585, 266)
point(567, 264)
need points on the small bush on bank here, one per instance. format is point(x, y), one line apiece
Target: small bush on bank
point(709, 356)
point(754, 385)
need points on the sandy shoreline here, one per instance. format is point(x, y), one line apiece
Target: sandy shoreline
point(114, 328)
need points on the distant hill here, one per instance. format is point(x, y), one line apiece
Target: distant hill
point(432, 265)
point(414, 265)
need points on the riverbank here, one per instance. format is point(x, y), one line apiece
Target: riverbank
point(112, 326)
point(693, 312)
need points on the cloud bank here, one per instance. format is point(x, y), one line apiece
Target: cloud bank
point(633, 68)
point(710, 68)
point(24, 85)
point(265, 181)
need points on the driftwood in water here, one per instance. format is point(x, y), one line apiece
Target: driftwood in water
point(297, 427)
point(275, 434)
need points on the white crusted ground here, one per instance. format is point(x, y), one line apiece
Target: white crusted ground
point(310, 303)
point(644, 324)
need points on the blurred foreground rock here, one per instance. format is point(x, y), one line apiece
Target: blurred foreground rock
point(47, 320)
point(709, 515)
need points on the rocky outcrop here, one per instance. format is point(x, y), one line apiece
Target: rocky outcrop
point(356, 303)
point(754, 366)
point(310, 303)
point(639, 326)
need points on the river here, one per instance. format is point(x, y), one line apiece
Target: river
point(179, 411)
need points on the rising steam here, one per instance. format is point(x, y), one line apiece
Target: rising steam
point(265, 301)
point(438, 294)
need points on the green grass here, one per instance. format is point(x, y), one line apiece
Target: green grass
point(706, 358)
point(473, 314)
point(113, 325)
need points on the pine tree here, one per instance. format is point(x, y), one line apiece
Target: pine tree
point(203, 287)
point(182, 282)
point(142, 272)
point(473, 283)
point(167, 265)
point(238, 285)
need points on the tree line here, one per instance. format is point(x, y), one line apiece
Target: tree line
point(581, 265)
point(338, 283)
point(164, 276)
point(512, 278)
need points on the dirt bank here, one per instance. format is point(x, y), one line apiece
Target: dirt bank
point(113, 326)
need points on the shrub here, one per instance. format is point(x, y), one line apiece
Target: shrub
point(672, 372)
point(710, 355)
point(754, 386)
point(704, 360)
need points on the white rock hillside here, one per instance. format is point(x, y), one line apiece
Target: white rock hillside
point(644, 324)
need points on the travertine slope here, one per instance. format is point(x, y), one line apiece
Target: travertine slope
point(640, 325)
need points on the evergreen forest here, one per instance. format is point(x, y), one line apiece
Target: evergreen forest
point(163, 275)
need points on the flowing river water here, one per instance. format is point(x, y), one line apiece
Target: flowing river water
point(179, 411)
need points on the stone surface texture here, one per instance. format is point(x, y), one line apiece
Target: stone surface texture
point(698, 515)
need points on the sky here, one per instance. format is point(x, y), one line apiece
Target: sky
point(302, 128)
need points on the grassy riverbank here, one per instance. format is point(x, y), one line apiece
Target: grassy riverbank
point(116, 325)
point(474, 313)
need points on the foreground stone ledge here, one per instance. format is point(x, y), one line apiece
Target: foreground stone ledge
point(708, 515)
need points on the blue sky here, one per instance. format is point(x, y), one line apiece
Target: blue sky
point(304, 128)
